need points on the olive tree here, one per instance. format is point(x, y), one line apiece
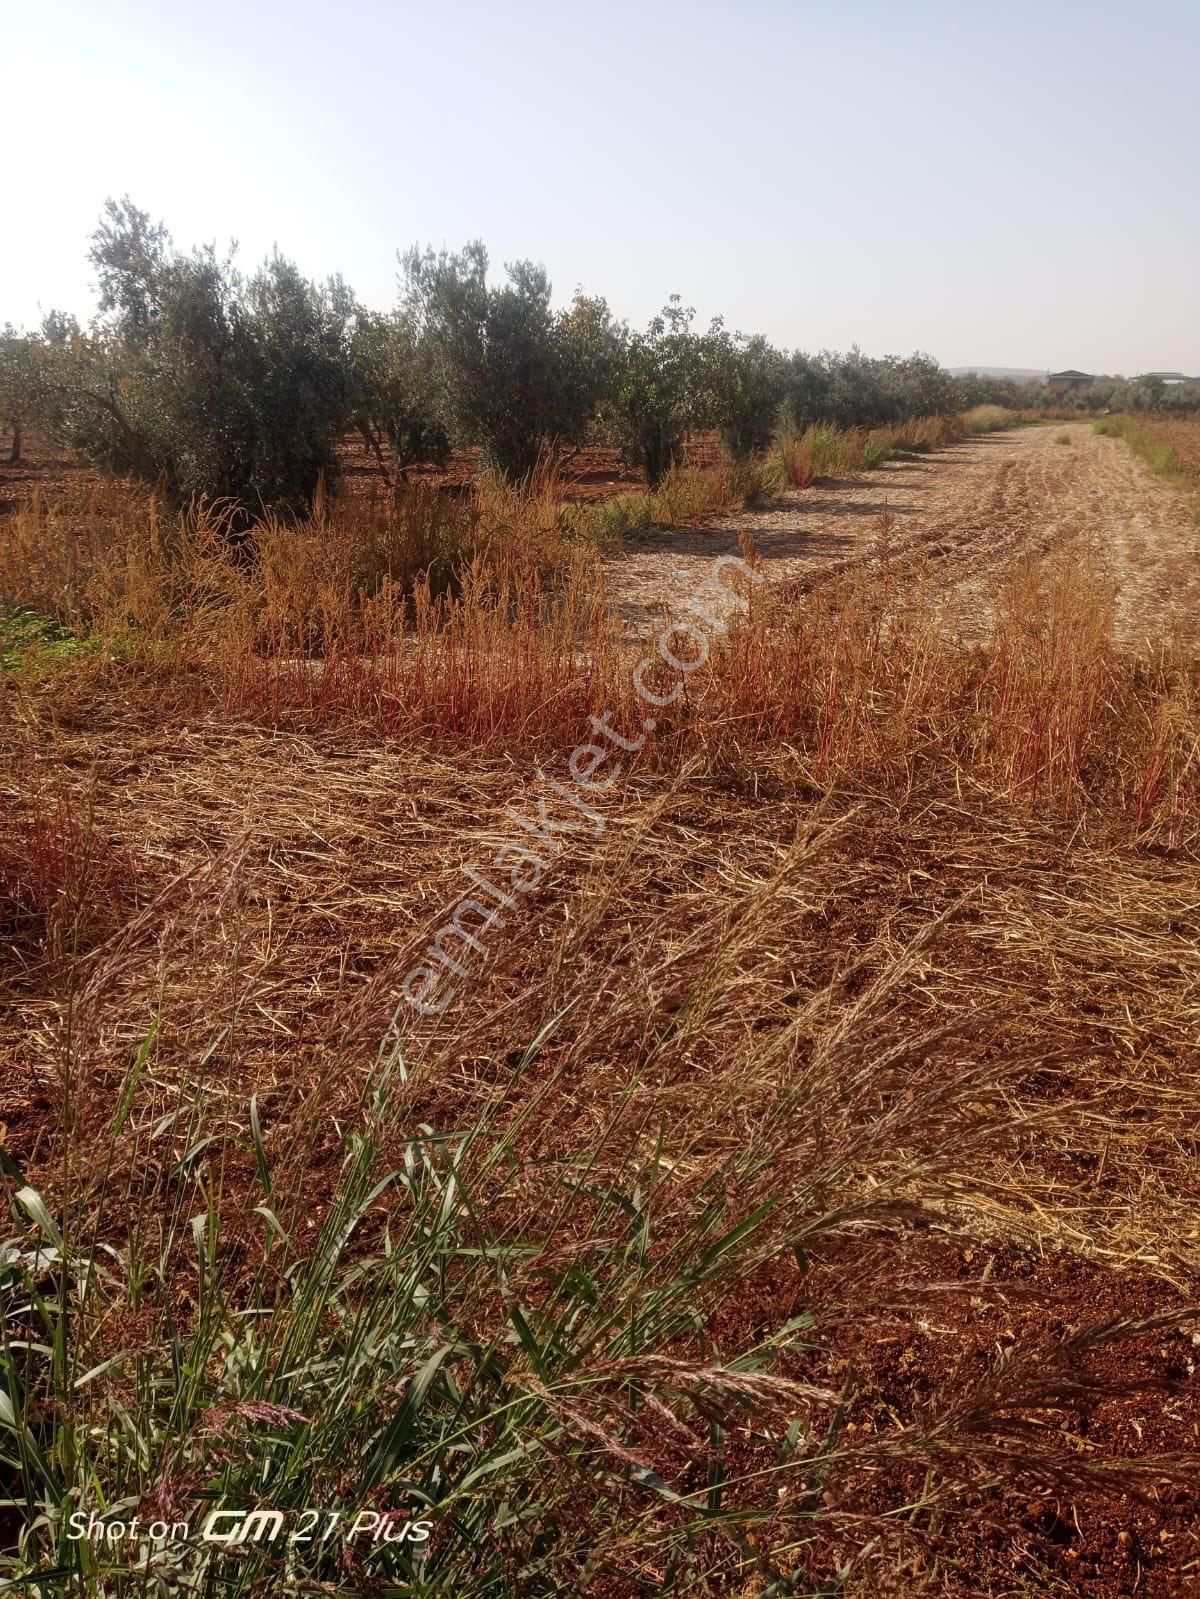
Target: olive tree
point(657, 391)
point(511, 375)
point(806, 385)
point(197, 378)
point(131, 255)
point(745, 384)
point(857, 390)
point(297, 380)
point(16, 395)
point(395, 396)
point(590, 346)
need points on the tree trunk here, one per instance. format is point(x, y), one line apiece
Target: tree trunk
point(14, 455)
point(371, 442)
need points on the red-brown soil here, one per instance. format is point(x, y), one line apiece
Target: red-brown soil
point(593, 474)
point(289, 877)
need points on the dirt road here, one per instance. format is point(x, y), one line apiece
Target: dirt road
point(968, 515)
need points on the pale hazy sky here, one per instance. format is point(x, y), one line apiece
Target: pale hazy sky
point(1008, 184)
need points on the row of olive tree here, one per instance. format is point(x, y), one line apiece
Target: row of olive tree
point(210, 382)
point(977, 388)
point(1148, 393)
point(1104, 393)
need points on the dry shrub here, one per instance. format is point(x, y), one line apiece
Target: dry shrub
point(482, 621)
point(86, 556)
point(861, 680)
point(499, 660)
point(797, 455)
point(63, 886)
point(927, 433)
point(989, 419)
point(109, 558)
point(858, 680)
point(828, 452)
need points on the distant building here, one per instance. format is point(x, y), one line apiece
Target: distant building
point(1070, 380)
point(1168, 377)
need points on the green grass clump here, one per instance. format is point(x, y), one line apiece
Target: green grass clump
point(28, 639)
point(685, 494)
point(609, 523)
point(876, 451)
point(418, 1352)
point(988, 419)
point(1161, 457)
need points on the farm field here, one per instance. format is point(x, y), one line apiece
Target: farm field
point(962, 521)
point(600, 802)
point(797, 1191)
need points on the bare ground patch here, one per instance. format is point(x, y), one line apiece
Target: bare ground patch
point(965, 517)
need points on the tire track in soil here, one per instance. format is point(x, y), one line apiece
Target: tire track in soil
point(965, 518)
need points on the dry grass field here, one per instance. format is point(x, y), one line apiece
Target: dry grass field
point(788, 1184)
point(963, 519)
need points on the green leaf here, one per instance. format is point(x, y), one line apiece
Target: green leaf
point(396, 1439)
point(129, 1087)
point(260, 1154)
point(35, 1207)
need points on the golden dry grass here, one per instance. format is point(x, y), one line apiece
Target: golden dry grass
point(892, 937)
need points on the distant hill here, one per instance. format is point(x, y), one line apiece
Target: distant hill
point(1019, 374)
